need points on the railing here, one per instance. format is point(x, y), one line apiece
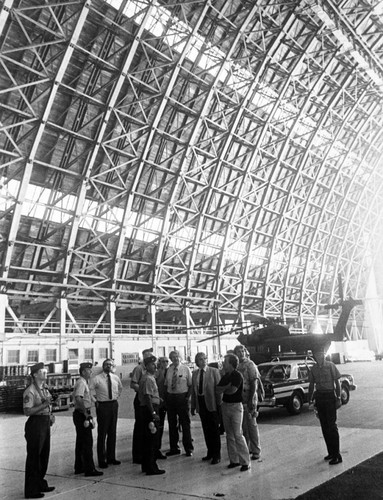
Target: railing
point(38, 327)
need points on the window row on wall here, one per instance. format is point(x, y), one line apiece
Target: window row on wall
point(50, 355)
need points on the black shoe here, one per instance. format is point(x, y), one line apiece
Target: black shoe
point(94, 473)
point(244, 467)
point(155, 472)
point(189, 453)
point(103, 465)
point(255, 456)
point(114, 462)
point(215, 461)
point(173, 452)
point(79, 471)
point(48, 489)
point(206, 458)
point(232, 465)
point(336, 460)
point(328, 457)
point(161, 456)
point(36, 495)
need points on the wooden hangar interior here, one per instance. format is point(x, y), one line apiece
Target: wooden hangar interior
point(172, 171)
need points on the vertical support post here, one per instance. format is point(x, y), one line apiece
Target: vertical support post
point(112, 320)
point(153, 325)
point(62, 305)
point(188, 325)
point(217, 322)
point(3, 308)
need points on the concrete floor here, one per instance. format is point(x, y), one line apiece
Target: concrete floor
point(292, 463)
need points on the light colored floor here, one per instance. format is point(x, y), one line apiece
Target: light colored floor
point(292, 463)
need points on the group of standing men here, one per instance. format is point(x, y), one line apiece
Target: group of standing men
point(230, 393)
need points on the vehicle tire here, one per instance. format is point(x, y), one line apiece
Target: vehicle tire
point(294, 406)
point(344, 394)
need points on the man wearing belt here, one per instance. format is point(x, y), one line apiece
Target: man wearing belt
point(251, 377)
point(324, 375)
point(149, 400)
point(106, 388)
point(178, 384)
point(205, 401)
point(37, 406)
point(84, 424)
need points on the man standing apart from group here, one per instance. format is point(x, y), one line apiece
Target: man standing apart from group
point(37, 406)
point(106, 388)
point(251, 377)
point(324, 376)
point(231, 385)
point(205, 401)
point(178, 383)
point(81, 418)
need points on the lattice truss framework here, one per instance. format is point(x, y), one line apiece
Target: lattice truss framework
point(190, 154)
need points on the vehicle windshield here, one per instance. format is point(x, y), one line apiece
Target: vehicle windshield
point(275, 372)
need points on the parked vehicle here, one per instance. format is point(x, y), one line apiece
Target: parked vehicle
point(286, 383)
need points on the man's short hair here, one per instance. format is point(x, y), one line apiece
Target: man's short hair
point(106, 361)
point(147, 352)
point(233, 360)
point(199, 355)
point(240, 346)
point(174, 353)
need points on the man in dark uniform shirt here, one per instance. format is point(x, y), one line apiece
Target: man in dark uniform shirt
point(84, 424)
point(149, 400)
point(325, 377)
point(37, 406)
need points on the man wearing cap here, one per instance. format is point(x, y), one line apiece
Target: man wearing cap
point(178, 383)
point(84, 424)
point(324, 376)
point(137, 373)
point(106, 388)
point(37, 406)
point(149, 400)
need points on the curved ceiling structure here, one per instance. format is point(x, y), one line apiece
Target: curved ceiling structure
point(216, 156)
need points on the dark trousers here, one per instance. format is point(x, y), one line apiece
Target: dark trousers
point(107, 414)
point(326, 407)
point(178, 406)
point(210, 425)
point(161, 425)
point(149, 442)
point(137, 432)
point(83, 461)
point(38, 437)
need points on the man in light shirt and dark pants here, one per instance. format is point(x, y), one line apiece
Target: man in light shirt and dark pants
point(178, 384)
point(106, 388)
